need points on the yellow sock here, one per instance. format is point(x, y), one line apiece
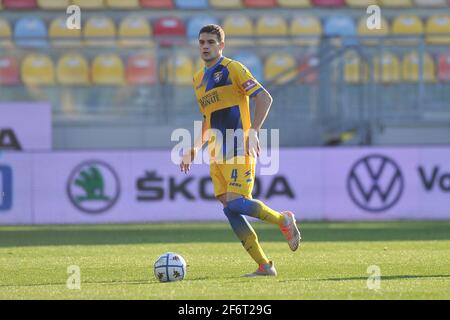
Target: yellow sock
point(253, 248)
point(268, 215)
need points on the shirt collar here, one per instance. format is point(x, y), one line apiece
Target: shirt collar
point(215, 65)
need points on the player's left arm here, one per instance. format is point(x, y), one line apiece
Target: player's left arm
point(263, 102)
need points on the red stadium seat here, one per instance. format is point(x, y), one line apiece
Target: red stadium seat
point(9, 71)
point(169, 31)
point(157, 4)
point(444, 67)
point(260, 3)
point(19, 4)
point(328, 3)
point(141, 69)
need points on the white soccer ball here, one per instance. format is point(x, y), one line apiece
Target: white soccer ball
point(170, 267)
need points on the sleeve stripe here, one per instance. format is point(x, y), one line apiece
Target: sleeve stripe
point(256, 92)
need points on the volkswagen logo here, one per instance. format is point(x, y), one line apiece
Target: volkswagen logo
point(375, 183)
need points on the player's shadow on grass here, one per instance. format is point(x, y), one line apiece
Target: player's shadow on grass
point(216, 232)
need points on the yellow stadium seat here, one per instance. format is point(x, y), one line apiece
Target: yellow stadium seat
point(411, 68)
point(272, 31)
point(123, 4)
point(439, 25)
point(389, 67)
point(238, 30)
point(361, 3)
point(199, 65)
point(5, 34)
point(280, 68)
point(37, 69)
point(99, 31)
point(72, 69)
point(108, 69)
point(305, 30)
point(396, 3)
point(177, 70)
point(407, 25)
point(294, 3)
point(61, 36)
point(229, 4)
point(135, 32)
point(89, 4)
point(370, 36)
point(53, 4)
point(355, 70)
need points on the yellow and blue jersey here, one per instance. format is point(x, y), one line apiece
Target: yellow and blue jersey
point(223, 92)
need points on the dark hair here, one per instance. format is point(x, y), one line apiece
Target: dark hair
point(214, 29)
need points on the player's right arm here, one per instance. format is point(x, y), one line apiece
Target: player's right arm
point(190, 154)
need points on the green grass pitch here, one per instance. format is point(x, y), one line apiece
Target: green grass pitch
point(116, 261)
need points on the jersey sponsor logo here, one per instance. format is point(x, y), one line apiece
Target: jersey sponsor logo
point(218, 76)
point(210, 98)
point(249, 84)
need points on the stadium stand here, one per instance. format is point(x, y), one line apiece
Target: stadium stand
point(135, 31)
point(20, 4)
point(192, 4)
point(99, 31)
point(342, 27)
point(329, 3)
point(386, 69)
point(411, 68)
point(108, 70)
point(430, 3)
point(37, 70)
point(72, 69)
point(89, 4)
point(437, 27)
point(123, 4)
point(230, 4)
point(239, 30)
point(30, 32)
point(5, 34)
point(294, 3)
point(61, 36)
point(53, 4)
point(177, 70)
point(259, 3)
point(444, 67)
point(305, 30)
point(272, 31)
point(361, 3)
point(157, 4)
point(396, 3)
point(170, 31)
point(195, 24)
point(141, 69)
point(280, 68)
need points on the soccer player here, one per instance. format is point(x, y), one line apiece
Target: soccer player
point(222, 90)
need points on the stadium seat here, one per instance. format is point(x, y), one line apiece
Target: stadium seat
point(89, 4)
point(53, 4)
point(294, 3)
point(444, 67)
point(396, 3)
point(9, 71)
point(30, 32)
point(389, 68)
point(61, 36)
point(123, 4)
point(430, 3)
point(280, 68)
point(135, 31)
point(239, 30)
point(169, 31)
point(252, 62)
point(177, 70)
point(99, 31)
point(19, 4)
point(305, 30)
point(200, 64)
point(259, 3)
point(5, 34)
point(37, 70)
point(195, 24)
point(141, 69)
point(342, 27)
point(72, 69)
point(411, 68)
point(361, 3)
point(439, 25)
point(272, 30)
point(306, 75)
point(355, 70)
point(372, 36)
point(230, 4)
point(108, 69)
point(407, 25)
point(328, 3)
point(157, 4)
point(191, 4)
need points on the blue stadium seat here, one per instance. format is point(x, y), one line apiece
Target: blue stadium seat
point(191, 4)
point(195, 24)
point(30, 32)
point(341, 26)
point(252, 62)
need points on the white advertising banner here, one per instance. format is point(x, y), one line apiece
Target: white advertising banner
point(337, 184)
point(25, 126)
